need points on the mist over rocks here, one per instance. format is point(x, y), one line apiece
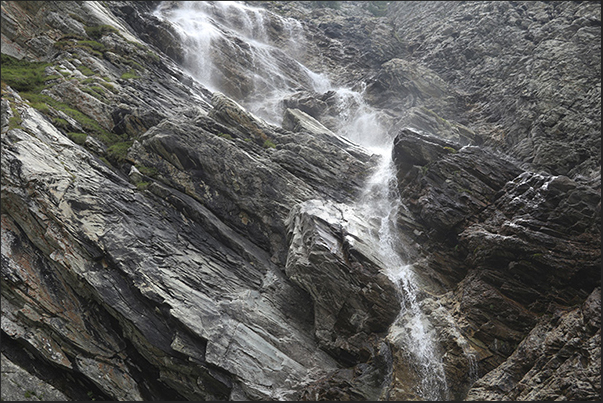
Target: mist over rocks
point(169, 234)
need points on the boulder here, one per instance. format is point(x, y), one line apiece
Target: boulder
point(352, 296)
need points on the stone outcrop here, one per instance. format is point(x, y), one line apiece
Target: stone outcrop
point(525, 248)
point(161, 241)
point(524, 69)
point(559, 354)
point(352, 296)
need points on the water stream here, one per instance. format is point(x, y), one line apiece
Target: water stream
point(218, 33)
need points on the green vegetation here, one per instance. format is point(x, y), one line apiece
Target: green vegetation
point(61, 123)
point(269, 144)
point(76, 17)
point(99, 31)
point(119, 151)
point(23, 75)
point(225, 136)
point(87, 71)
point(142, 185)
point(77, 138)
point(14, 122)
point(133, 64)
point(129, 75)
point(109, 86)
point(450, 150)
point(148, 171)
point(152, 56)
point(92, 45)
point(90, 125)
point(95, 91)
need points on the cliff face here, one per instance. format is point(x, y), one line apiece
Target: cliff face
point(166, 237)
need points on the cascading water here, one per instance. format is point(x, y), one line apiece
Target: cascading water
point(243, 52)
point(218, 33)
point(380, 203)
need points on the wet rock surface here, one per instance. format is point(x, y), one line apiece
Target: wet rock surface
point(523, 245)
point(160, 241)
point(352, 296)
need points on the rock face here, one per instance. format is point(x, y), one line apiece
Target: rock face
point(352, 297)
point(518, 245)
point(523, 69)
point(162, 241)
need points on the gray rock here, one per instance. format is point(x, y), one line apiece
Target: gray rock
point(236, 271)
point(352, 295)
point(20, 385)
point(296, 121)
point(556, 361)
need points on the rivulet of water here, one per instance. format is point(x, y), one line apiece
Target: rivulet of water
point(215, 34)
point(380, 203)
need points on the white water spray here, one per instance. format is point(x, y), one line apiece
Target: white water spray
point(380, 204)
point(229, 49)
point(216, 31)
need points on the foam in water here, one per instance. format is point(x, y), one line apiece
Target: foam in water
point(212, 31)
point(380, 202)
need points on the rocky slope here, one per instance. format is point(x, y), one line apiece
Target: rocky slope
point(161, 242)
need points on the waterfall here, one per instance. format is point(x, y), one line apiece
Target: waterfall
point(218, 33)
point(380, 203)
point(243, 52)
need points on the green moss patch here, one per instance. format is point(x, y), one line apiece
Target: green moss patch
point(131, 74)
point(269, 144)
point(99, 31)
point(119, 151)
point(78, 138)
point(23, 75)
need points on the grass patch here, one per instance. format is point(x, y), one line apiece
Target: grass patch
point(14, 122)
point(98, 31)
point(23, 75)
point(109, 86)
point(61, 123)
point(153, 57)
point(76, 17)
point(119, 151)
point(78, 138)
point(96, 91)
point(148, 171)
point(87, 123)
point(41, 106)
point(134, 64)
point(87, 71)
point(269, 144)
point(130, 74)
point(142, 185)
point(225, 136)
point(97, 88)
point(92, 45)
